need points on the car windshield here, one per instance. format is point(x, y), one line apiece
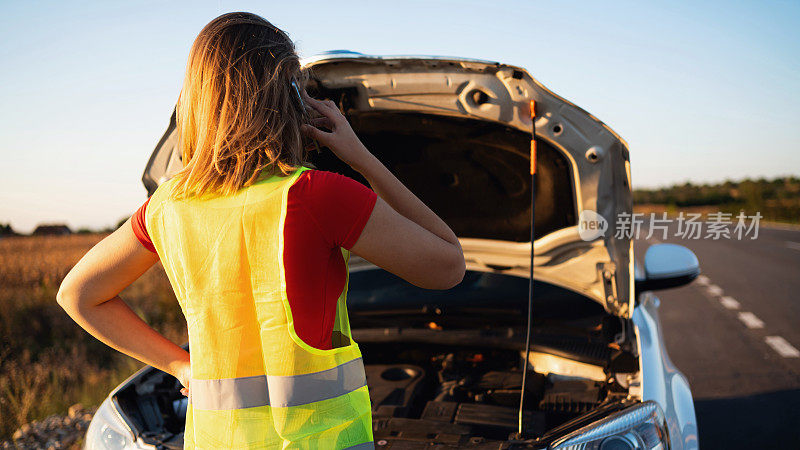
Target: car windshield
point(376, 291)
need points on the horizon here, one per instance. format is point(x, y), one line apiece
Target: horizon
point(113, 226)
point(696, 99)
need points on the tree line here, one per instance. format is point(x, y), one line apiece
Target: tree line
point(777, 199)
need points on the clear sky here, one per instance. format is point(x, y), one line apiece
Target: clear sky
point(701, 91)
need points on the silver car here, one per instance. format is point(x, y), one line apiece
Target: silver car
point(444, 368)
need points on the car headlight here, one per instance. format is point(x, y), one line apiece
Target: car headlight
point(639, 427)
point(107, 430)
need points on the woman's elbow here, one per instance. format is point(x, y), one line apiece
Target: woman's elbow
point(452, 271)
point(458, 272)
point(62, 296)
point(66, 296)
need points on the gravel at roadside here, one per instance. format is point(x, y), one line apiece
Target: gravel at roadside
point(58, 431)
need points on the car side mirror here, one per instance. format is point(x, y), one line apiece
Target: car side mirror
point(667, 266)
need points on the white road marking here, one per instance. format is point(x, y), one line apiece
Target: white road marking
point(750, 320)
point(714, 289)
point(793, 245)
point(783, 348)
point(729, 302)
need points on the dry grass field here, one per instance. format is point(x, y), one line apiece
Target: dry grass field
point(47, 362)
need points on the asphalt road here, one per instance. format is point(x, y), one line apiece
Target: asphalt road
point(735, 333)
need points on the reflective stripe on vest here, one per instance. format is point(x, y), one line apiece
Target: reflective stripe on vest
point(255, 383)
point(279, 391)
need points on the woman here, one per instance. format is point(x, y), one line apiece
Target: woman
point(255, 245)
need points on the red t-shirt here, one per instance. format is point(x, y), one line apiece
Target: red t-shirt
point(325, 211)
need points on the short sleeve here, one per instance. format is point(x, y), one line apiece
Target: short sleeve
point(339, 205)
point(139, 228)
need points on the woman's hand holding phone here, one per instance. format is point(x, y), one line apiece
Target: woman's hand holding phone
point(341, 138)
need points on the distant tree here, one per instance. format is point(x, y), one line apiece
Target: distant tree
point(6, 230)
point(52, 229)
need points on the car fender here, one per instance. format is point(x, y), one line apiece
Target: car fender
point(661, 381)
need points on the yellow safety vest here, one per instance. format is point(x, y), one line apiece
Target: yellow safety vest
point(255, 383)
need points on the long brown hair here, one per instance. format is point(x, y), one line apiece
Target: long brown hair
point(238, 113)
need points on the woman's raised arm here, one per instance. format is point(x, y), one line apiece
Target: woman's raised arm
point(402, 234)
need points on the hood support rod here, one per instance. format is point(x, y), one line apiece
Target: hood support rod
point(520, 426)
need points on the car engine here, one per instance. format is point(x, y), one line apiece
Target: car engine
point(466, 397)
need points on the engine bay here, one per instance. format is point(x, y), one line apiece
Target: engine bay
point(423, 395)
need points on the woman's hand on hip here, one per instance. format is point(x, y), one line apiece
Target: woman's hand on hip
point(184, 373)
point(341, 138)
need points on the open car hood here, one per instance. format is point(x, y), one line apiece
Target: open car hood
point(457, 132)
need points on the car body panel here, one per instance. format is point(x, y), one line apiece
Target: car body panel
point(661, 381)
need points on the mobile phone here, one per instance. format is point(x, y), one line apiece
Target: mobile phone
point(303, 105)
